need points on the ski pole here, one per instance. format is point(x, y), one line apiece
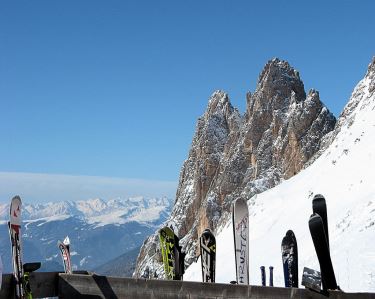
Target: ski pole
point(263, 272)
point(271, 276)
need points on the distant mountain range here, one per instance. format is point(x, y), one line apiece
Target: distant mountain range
point(99, 230)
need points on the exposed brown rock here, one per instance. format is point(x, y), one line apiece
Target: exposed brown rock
point(233, 155)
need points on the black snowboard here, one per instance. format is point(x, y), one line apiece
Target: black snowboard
point(179, 259)
point(289, 254)
point(319, 207)
point(208, 255)
point(318, 235)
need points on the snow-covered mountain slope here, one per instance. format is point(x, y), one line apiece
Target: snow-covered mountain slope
point(99, 230)
point(345, 175)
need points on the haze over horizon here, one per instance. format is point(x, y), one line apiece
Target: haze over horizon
point(41, 188)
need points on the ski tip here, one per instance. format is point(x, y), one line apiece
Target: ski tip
point(289, 237)
point(16, 201)
point(239, 200)
point(66, 241)
point(207, 231)
point(289, 233)
point(315, 216)
point(238, 204)
point(318, 197)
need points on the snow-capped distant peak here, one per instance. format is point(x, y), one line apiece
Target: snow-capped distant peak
point(95, 211)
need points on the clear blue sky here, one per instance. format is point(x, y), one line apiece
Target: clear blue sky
point(114, 88)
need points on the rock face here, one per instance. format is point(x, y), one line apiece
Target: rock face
point(360, 98)
point(234, 155)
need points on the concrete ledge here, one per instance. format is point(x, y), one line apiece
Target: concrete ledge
point(93, 286)
point(43, 284)
point(52, 284)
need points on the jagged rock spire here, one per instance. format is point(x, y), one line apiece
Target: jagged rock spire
point(233, 155)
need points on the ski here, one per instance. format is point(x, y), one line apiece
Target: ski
point(14, 225)
point(317, 231)
point(208, 255)
point(319, 207)
point(173, 257)
point(65, 254)
point(240, 220)
point(179, 259)
point(166, 237)
point(289, 255)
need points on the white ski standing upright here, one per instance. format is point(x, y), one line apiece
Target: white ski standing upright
point(240, 219)
point(65, 254)
point(15, 240)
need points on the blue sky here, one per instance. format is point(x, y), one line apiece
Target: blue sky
point(114, 88)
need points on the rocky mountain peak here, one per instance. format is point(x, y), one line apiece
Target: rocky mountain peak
point(218, 103)
point(277, 69)
point(218, 118)
point(277, 81)
point(233, 155)
point(283, 126)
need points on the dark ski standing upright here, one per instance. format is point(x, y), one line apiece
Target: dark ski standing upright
point(207, 243)
point(14, 225)
point(173, 257)
point(240, 220)
point(318, 235)
point(65, 254)
point(289, 255)
point(319, 207)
